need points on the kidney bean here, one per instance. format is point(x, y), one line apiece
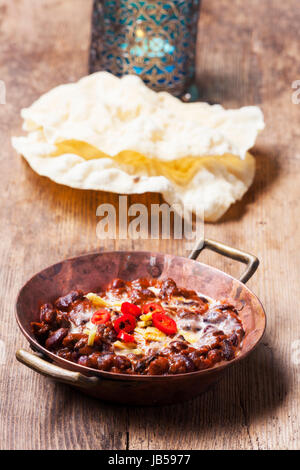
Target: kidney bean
point(180, 364)
point(214, 317)
point(63, 303)
point(185, 313)
point(105, 361)
point(56, 338)
point(240, 333)
point(202, 363)
point(106, 332)
point(86, 350)
point(71, 339)
point(218, 333)
point(62, 319)
point(159, 366)
point(230, 307)
point(93, 359)
point(234, 339)
point(83, 361)
point(202, 351)
point(186, 293)
point(140, 366)
point(47, 314)
point(227, 350)
point(117, 284)
point(122, 363)
point(199, 360)
point(188, 351)
point(150, 358)
point(176, 346)
point(65, 353)
point(81, 342)
point(75, 356)
point(190, 366)
point(214, 356)
point(106, 347)
point(168, 288)
point(147, 294)
point(40, 329)
point(141, 283)
point(139, 295)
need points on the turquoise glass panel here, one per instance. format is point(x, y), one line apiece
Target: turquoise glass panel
point(154, 39)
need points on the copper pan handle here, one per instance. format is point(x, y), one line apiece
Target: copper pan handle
point(48, 369)
point(233, 253)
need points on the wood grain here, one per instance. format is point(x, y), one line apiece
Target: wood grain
point(247, 54)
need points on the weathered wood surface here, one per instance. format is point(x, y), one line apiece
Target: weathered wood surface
point(247, 54)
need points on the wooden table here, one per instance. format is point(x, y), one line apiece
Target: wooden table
point(247, 54)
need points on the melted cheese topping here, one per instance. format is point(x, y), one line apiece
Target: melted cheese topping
point(197, 329)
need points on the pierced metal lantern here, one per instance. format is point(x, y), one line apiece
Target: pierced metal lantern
point(155, 39)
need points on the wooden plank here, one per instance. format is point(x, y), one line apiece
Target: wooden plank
point(247, 54)
point(44, 222)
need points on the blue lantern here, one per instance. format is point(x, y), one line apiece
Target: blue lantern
point(155, 40)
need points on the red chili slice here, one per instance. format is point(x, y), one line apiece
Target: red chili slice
point(126, 323)
point(164, 323)
point(126, 337)
point(100, 317)
point(153, 308)
point(132, 309)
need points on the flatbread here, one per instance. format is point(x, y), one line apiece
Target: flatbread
point(111, 134)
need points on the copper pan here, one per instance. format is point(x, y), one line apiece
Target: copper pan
point(95, 271)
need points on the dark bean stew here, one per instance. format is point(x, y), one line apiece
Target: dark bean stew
point(145, 327)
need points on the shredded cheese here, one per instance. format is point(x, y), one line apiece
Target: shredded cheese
point(153, 334)
point(146, 317)
point(92, 334)
point(122, 345)
point(188, 336)
point(96, 300)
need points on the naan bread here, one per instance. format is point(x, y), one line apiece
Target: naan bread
point(117, 135)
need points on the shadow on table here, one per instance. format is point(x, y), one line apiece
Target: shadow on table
point(250, 390)
point(267, 172)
